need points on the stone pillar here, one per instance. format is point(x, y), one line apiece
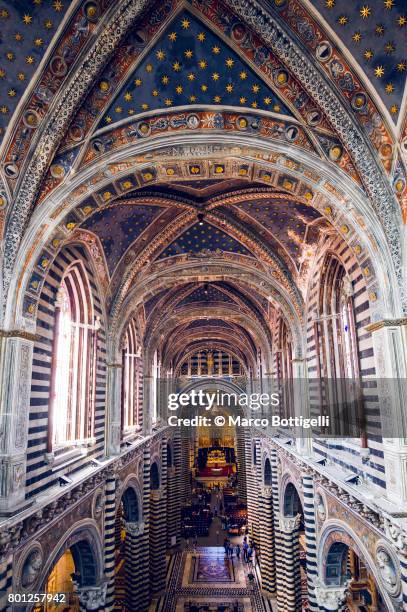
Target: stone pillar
point(253, 478)
point(241, 463)
point(185, 476)
point(267, 550)
point(310, 538)
point(331, 598)
point(109, 539)
point(114, 399)
point(6, 580)
point(157, 541)
point(289, 527)
point(92, 598)
point(148, 382)
point(390, 352)
point(137, 596)
point(278, 544)
point(144, 546)
point(16, 351)
point(174, 494)
point(303, 437)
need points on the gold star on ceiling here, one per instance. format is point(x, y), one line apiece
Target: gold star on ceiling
point(401, 20)
point(160, 55)
point(128, 96)
point(138, 82)
point(343, 20)
point(176, 66)
point(179, 89)
point(394, 109)
point(389, 88)
point(27, 19)
point(118, 109)
point(11, 93)
point(4, 14)
point(379, 29)
point(191, 76)
point(243, 75)
point(215, 76)
point(365, 11)
point(217, 99)
point(388, 4)
point(4, 110)
point(192, 98)
point(188, 53)
point(168, 102)
point(330, 3)
point(389, 48)
point(255, 88)
point(185, 23)
point(267, 100)
point(165, 79)
point(201, 36)
point(202, 64)
point(254, 104)
point(242, 100)
point(172, 36)
point(204, 88)
point(21, 76)
point(58, 6)
point(401, 66)
point(18, 37)
point(155, 93)
point(10, 56)
point(357, 37)
point(48, 24)
point(379, 71)
point(149, 68)
point(229, 87)
point(216, 50)
point(38, 42)
point(368, 54)
point(2, 73)
point(108, 119)
point(144, 106)
point(229, 62)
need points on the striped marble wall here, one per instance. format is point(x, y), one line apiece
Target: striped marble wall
point(347, 453)
point(41, 474)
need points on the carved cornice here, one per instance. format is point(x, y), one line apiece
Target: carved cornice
point(18, 333)
point(372, 327)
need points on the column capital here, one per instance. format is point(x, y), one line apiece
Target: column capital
point(92, 597)
point(288, 524)
point(266, 491)
point(134, 528)
point(372, 327)
point(331, 597)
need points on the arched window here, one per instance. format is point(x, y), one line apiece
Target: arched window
point(154, 389)
point(74, 361)
point(339, 342)
point(131, 378)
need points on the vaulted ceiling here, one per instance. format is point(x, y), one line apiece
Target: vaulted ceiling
point(94, 90)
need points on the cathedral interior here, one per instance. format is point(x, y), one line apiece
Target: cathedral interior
point(202, 194)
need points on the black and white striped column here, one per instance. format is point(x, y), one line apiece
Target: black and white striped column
point(289, 528)
point(6, 580)
point(144, 557)
point(266, 519)
point(158, 528)
point(310, 539)
point(174, 495)
point(253, 479)
point(109, 539)
point(241, 464)
point(278, 546)
point(137, 596)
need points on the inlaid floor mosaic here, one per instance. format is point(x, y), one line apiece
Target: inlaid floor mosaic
point(204, 579)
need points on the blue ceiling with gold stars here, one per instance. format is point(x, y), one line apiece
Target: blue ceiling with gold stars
point(375, 32)
point(189, 64)
point(206, 293)
point(26, 29)
point(118, 227)
point(203, 237)
point(286, 220)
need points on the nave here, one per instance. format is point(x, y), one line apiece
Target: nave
point(203, 196)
